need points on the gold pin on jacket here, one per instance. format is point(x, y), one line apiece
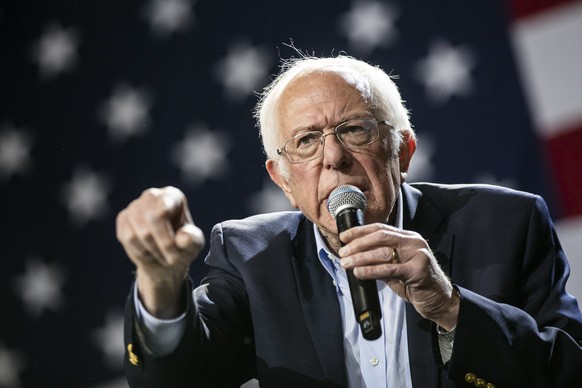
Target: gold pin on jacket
point(133, 359)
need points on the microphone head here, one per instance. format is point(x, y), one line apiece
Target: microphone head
point(346, 196)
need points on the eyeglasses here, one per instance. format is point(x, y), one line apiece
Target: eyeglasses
point(352, 134)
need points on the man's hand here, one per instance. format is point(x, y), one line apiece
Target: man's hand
point(158, 235)
point(416, 276)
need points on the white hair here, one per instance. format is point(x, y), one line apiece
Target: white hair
point(376, 87)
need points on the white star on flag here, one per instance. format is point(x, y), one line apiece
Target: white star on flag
point(11, 364)
point(243, 71)
point(446, 71)
point(168, 16)
point(15, 148)
point(369, 24)
point(41, 286)
point(109, 339)
point(56, 51)
point(86, 196)
point(126, 112)
point(202, 154)
point(269, 199)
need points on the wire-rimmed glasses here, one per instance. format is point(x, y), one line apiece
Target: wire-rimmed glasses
point(352, 134)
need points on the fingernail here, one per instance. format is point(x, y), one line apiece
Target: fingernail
point(346, 261)
point(343, 251)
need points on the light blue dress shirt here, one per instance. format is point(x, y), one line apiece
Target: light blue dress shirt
point(381, 363)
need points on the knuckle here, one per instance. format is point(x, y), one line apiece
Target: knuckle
point(151, 193)
point(152, 198)
point(172, 195)
point(386, 252)
point(123, 232)
point(384, 235)
point(123, 235)
point(144, 235)
point(171, 190)
point(152, 208)
point(382, 238)
point(132, 239)
point(158, 211)
point(168, 246)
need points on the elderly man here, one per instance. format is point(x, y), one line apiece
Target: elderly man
point(470, 279)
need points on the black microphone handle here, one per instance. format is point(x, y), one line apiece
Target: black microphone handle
point(364, 292)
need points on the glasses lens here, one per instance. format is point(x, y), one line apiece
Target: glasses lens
point(359, 132)
point(353, 134)
point(304, 146)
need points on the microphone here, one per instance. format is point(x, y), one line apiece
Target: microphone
point(347, 204)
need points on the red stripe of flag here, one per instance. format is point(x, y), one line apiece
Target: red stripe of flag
point(524, 8)
point(565, 154)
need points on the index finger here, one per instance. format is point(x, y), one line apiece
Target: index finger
point(360, 231)
point(165, 216)
point(366, 237)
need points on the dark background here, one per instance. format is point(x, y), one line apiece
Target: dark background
point(68, 334)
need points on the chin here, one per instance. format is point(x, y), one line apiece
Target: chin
point(328, 225)
point(374, 215)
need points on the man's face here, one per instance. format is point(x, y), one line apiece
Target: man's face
point(321, 101)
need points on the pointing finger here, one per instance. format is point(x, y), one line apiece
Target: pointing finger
point(190, 238)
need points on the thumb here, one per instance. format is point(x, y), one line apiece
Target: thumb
point(190, 238)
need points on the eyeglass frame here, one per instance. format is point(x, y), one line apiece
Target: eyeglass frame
point(282, 149)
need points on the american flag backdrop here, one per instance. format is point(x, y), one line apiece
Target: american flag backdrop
point(100, 100)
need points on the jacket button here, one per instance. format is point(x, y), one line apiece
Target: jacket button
point(489, 385)
point(470, 378)
point(480, 383)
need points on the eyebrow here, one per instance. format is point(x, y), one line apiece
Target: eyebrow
point(315, 128)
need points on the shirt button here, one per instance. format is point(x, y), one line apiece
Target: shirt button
point(334, 283)
point(374, 361)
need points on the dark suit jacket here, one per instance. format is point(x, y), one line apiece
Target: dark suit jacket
point(268, 309)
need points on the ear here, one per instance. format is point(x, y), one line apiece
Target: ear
point(407, 148)
point(280, 180)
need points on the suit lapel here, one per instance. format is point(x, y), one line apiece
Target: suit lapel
point(421, 216)
point(320, 306)
point(321, 310)
point(424, 217)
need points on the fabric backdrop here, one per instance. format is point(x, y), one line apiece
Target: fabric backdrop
point(100, 100)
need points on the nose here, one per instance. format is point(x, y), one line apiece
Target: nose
point(335, 155)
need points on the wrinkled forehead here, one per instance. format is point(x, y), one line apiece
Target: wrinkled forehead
point(317, 99)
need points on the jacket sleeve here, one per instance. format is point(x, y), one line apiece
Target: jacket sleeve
point(216, 348)
point(537, 342)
